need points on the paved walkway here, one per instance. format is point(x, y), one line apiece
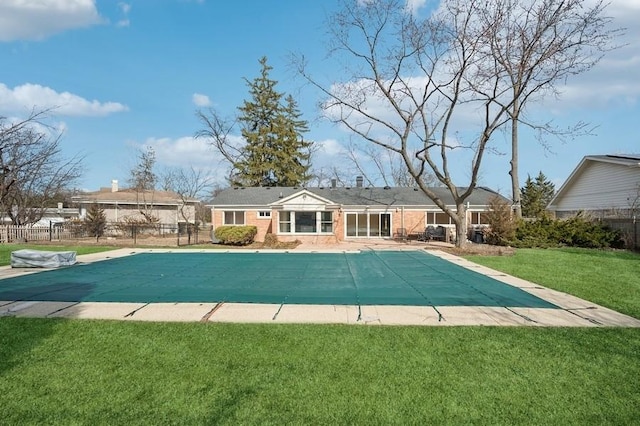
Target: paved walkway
point(574, 312)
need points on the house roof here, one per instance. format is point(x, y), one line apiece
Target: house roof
point(126, 196)
point(627, 160)
point(349, 196)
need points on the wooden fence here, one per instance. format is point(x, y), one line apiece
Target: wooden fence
point(628, 227)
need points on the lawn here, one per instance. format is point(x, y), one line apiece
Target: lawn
point(609, 278)
point(108, 372)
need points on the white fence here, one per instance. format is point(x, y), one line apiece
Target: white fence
point(24, 233)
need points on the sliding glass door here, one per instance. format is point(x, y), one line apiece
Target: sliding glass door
point(368, 225)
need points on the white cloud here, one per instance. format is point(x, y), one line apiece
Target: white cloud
point(330, 147)
point(28, 96)
point(414, 6)
point(188, 151)
point(124, 8)
point(613, 81)
point(201, 100)
point(38, 19)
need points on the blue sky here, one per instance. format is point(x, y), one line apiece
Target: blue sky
point(129, 74)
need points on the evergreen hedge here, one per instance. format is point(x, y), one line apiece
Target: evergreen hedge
point(577, 231)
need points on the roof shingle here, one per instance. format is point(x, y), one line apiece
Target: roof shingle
point(354, 196)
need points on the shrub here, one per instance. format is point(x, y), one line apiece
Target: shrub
point(577, 231)
point(236, 235)
point(270, 240)
point(502, 227)
point(95, 221)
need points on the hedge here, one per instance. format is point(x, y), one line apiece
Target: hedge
point(236, 235)
point(577, 231)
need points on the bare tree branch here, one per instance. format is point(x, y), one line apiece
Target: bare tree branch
point(409, 80)
point(33, 173)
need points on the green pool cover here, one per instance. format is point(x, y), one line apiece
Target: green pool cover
point(366, 278)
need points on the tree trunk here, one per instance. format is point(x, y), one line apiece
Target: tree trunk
point(515, 182)
point(460, 220)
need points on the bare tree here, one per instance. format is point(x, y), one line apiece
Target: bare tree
point(376, 164)
point(418, 75)
point(190, 184)
point(33, 173)
point(217, 129)
point(532, 45)
point(143, 180)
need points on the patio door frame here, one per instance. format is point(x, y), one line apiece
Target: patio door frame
point(382, 224)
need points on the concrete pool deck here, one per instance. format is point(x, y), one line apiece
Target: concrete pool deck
point(573, 312)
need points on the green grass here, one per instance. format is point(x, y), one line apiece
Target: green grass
point(108, 372)
point(608, 278)
point(101, 372)
point(6, 249)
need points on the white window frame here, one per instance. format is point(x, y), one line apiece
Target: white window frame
point(430, 218)
point(292, 223)
point(363, 230)
point(263, 214)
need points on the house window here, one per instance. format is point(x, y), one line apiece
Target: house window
point(305, 222)
point(264, 214)
point(479, 218)
point(326, 222)
point(442, 219)
point(438, 218)
point(234, 218)
point(285, 222)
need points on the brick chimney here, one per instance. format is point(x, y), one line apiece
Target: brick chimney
point(359, 181)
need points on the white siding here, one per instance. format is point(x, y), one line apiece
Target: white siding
point(601, 186)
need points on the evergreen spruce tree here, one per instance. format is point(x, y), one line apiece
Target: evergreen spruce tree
point(95, 221)
point(275, 153)
point(536, 195)
point(293, 154)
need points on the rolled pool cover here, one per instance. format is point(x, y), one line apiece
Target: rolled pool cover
point(42, 259)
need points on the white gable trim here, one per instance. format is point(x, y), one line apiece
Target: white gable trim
point(304, 201)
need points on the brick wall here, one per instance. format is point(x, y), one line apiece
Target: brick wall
point(413, 221)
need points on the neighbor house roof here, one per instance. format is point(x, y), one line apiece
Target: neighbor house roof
point(347, 196)
point(130, 196)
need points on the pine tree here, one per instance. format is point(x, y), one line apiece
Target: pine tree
point(536, 195)
point(275, 153)
point(95, 221)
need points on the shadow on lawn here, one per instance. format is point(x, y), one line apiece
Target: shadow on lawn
point(19, 336)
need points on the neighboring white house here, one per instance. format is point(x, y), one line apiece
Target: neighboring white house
point(604, 186)
point(50, 215)
point(126, 204)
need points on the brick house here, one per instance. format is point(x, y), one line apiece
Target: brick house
point(335, 214)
